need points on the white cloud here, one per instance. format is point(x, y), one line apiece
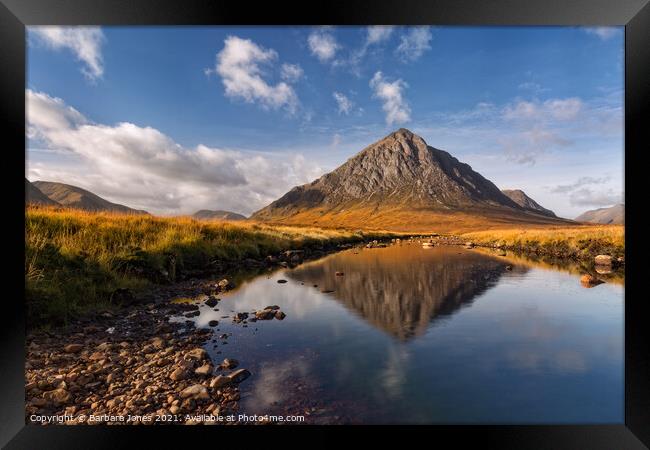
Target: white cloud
point(560, 109)
point(291, 72)
point(344, 104)
point(394, 105)
point(239, 65)
point(378, 33)
point(414, 43)
point(84, 42)
point(144, 168)
point(322, 44)
point(604, 33)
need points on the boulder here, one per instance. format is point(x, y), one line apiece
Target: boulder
point(73, 348)
point(219, 381)
point(212, 302)
point(239, 375)
point(57, 396)
point(603, 260)
point(280, 315)
point(196, 392)
point(229, 363)
point(197, 353)
point(204, 370)
point(589, 281)
point(179, 374)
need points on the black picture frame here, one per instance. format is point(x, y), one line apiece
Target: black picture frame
point(634, 433)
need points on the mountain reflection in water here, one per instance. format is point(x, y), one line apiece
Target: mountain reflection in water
point(402, 289)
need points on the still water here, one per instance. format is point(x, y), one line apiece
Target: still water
point(427, 335)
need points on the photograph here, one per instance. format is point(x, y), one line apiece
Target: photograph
point(324, 225)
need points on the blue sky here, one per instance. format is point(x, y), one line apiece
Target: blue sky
point(174, 119)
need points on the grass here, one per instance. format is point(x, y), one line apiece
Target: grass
point(580, 242)
point(75, 260)
point(406, 218)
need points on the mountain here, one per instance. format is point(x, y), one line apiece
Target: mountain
point(206, 214)
point(75, 197)
point(34, 196)
point(612, 215)
point(519, 197)
point(401, 183)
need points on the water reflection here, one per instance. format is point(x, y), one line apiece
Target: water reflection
point(394, 342)
point(402, 289)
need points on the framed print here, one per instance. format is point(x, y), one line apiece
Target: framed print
point(411, 217)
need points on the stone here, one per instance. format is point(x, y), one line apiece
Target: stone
point(239, 375)
point(266, 314)
point(212, 302)
point(97, 356)
point(73, 348)
point(213, 323)
point(589, 281)
point(282, 281)
point(196, 392)
point(225, 284)
point(158, 342)
point(603, 260)
point(197, 353)
point(273, 307)
point(229, 363)
point(178, 374)
point(57, 396)
point(280, 315)
point(204, 370)
point(508, 267)
point(339, 274)
point(219, 381)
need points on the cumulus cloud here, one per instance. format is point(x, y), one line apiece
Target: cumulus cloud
point(84, 42)
point(604, 33)
point(344, 104)
point(378, 33)
point(589, 191)
point(322, 44)
point(144, 168)
point(526, 146)
point(560, 109)
point(414, 43)
point(390, 93)
point(291, 72)
point(240, 66)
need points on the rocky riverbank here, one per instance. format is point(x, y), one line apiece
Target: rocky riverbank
point(131, 365)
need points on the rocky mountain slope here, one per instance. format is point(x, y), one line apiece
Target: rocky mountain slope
point(519, 197)
point(34, 196)
point(76, 197)
point(614, 215)
point(206, 214)
point(400, 182)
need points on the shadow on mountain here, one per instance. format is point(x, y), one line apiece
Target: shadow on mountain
point(402, 289)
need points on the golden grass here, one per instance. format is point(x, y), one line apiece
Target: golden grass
point(578, 242)
point(406, 219)
point(75, 259)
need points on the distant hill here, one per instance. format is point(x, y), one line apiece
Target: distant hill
point(34, 196)
point(76, 197)
point(519, 197)
point(614, 215)
point(206, 214)
point(401, 183)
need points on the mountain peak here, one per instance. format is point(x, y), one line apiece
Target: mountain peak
point(399, 176)
point(522, 199)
